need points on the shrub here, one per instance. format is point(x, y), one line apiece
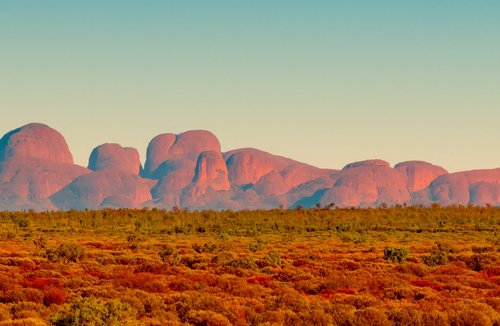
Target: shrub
point(54, 296)
point(273, 257)
point(207, 247)
point(133, 241)
point(405, 317)
point(168, 254)
point(204, 317)
point(255, 246)
point(342, 314)
point(480, 250)
point(479, 262)
point(439, 255)
point(21, 222)
point(66, 252)
point(371, 316)
point(4, 312)
point(92, 311)
point(40, 243)
point(243, 262)
point(395, 254)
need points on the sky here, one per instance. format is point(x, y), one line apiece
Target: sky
point(323, 82)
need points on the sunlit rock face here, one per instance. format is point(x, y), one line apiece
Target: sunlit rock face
point(469, 187)
point(157, 153)
point(35, 141)
point(115, 157)
point(189, 170)
point(35, 162)
point(375, 162)
point(246, 166)
point(419, 174)
point(367, 183)
point(211, 171)
point(172, 160)
point(271, 174)
point(101, 189)
point(114, 182)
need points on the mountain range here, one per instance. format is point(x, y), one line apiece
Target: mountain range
point(189, 170)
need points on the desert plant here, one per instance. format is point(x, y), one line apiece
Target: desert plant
point(439, 255)
point(273, 257)
point(66, 252)
point(40, 242)
point(395, 254)
point(133, 241)
point(21, 222)
point(169, 254)
point(93, 311)
point(255, 246)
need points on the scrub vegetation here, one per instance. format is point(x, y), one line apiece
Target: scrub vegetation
point(323, 266)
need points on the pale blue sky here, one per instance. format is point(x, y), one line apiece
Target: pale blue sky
point(324, 82)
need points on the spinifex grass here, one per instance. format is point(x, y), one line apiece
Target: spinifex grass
point(316, 266)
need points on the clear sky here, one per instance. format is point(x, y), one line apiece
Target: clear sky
point(324, 82)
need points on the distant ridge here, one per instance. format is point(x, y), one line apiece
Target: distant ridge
point(189, 170)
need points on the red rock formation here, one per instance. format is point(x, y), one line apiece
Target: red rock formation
point(419, 174)
point(102, 188)
point(36, 179)
point(115, 157)
point(485, 193)
point(157, 152)
point(188, 170)
point(35, 162)
point(309, 193)
point(375, 162)
point(272, 183)
point(211, 171)
point(249, 166)
point(35, 141)
point(367, 183)
point(456, 188)
point(174, 163)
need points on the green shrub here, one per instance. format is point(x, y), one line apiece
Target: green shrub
point(93, 311)
point(66, 252)
point(207, 247)
point(480, 250)
point(439, 255)
point(168, 254)
point(133, 241)
point(273, 257)
point(40, 242)
point(21, 222)
point(478, 262)
point(395, 254)
point(246, 263)
point(255, 246)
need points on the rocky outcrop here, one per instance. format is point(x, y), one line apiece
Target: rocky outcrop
point(115, 157)
point(375, 162)
point(102, 189)
point(367, 183)
point(189, 170)
point(173, 160)
point(469, 187)
point(270, 174)
point(35, 162)
point(211, 171)
point(35, 141)
point(419, 174)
